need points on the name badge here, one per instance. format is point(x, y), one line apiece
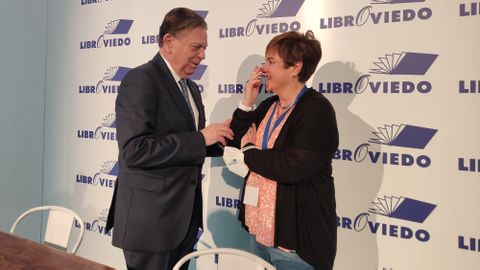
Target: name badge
point(251, 196)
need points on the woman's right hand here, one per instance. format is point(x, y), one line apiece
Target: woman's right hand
point(251, 91)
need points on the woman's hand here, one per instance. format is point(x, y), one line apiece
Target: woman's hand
point(250, 136)
point(251, 90)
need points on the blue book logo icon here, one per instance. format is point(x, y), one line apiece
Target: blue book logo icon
point(103, 215)
point(198, 74)
point(403, 136)
point(405, 63)
point(108, 122)
point(110, 168)
point(202, 13)
point(277, 8)
point(402, 208)
point(118, 27)
point(115, 73)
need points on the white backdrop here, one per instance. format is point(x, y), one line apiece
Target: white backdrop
point(402, 75)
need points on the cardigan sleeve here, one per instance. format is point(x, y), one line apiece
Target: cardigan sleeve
point(308, 144)
point(242, 120)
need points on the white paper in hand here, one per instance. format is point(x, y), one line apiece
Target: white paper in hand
point(233, 158)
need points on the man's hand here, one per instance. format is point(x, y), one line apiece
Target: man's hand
point(217, 132)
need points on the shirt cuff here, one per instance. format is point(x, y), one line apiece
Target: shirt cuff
point(246, 108)
point(249, 146)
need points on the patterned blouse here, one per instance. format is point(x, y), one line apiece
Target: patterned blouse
point(261, 219)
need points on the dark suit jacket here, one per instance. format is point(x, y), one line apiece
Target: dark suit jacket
point(300, 163)
point(160, 158)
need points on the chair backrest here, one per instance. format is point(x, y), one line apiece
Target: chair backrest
point(226, 251)
point(59, 226)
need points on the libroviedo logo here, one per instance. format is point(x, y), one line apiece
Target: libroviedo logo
point(113, 36)
point(270, 9)
point(396, 14)
point(468, 243)
point(227, 202)
point(108, 84)
point(396, 208)
point(105, 177)
point(395, 64)
point(198, 75)
point(235, 88)
point(469, 165)
point(403, 136)
point(148, 39)
point(470, 10)
point(89, 2)
point(469, 87)
point(98, 224)
point(106, 131)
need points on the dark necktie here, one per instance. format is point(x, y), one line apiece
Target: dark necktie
point(184, 89)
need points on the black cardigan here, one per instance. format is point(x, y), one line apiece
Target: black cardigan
point(300, 163)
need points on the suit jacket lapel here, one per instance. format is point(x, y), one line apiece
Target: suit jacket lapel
point(173, 89)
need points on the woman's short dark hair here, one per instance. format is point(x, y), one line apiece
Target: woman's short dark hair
point(295, 47)
point(177, 20)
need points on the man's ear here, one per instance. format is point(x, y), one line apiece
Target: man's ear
point(168, 42)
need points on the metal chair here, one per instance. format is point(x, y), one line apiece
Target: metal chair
point(226, 251)
point(59, 226)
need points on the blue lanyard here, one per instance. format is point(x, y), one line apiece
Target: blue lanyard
point(268, 132)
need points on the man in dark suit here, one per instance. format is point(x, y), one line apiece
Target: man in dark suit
point(162, 139)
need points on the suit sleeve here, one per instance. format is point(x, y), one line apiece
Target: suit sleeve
point(312, 140)
point(140, 145)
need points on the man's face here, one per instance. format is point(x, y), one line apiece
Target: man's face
point(188, 50)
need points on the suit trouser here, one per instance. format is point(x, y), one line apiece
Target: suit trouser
point(166, 260)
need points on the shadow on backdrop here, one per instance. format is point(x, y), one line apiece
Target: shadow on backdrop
point(357, 181)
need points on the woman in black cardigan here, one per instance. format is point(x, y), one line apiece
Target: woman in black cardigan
point(289, 195)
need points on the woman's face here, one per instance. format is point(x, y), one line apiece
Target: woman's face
point(277, 74)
